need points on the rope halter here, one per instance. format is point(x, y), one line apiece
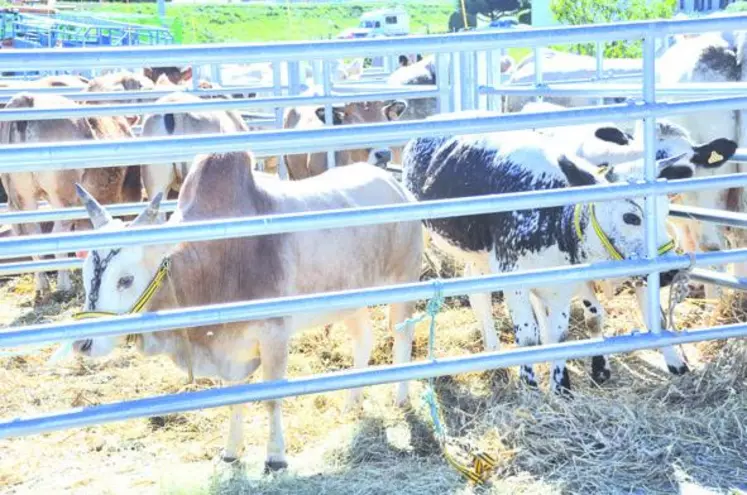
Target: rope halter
point(141, 302)
point(614, 253)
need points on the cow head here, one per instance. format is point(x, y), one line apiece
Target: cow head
point(613, 146)
point(114, 279)
point(362, 113)
point(616, 228)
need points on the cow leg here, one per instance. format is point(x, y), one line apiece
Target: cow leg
point(399, 312)
point(273, 351)
point(482, 307)
point(594, 316)
point(361, 333)
point(19, 199)
point(235, 442)
point(676, 362)
point(526, 332)
point(64, 283)
point(558, 310)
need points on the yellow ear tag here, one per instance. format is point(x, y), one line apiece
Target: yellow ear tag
point(715, 157)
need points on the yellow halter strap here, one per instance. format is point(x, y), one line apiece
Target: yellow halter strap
point(142, 301)
point(606, 242)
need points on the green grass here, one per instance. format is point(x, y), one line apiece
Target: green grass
point(226, 23)
point(252, 23)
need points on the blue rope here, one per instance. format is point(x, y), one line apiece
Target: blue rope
point(432, 308)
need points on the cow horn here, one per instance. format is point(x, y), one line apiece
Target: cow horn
point(150, 214)
point(99, 216)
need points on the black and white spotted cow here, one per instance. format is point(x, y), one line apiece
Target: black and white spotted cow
point(513, 162)
point(607, 146)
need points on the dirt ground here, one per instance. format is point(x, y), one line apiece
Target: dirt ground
point(643, 432)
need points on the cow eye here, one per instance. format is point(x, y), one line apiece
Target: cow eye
point(631, 219)
point(125, 282)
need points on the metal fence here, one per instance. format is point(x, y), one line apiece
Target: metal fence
point(457, 88)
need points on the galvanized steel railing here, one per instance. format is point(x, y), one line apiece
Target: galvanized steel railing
point(79, 155)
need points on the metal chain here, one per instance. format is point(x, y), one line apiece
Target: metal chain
point(98, 269)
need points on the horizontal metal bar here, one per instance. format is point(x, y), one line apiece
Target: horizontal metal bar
point(75, 155)
point(381, 87)
point(85, 58)
point(718, 278)
point(202, 105)
point(228, 228)
point(78, 95)
point(347, 379)
point(40, 266)
point(75, 212)
point(721, 217)
point(217, 314)
point(596, 90)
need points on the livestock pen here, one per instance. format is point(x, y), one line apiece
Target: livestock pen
point(644, 431)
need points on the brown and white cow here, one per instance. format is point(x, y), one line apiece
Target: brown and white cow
point(306, 165)
point(24, 189)
point(260, 267)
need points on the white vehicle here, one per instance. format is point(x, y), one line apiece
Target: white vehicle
point(382, 22)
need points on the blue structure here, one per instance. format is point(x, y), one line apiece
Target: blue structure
point(34, 30)
point(75, 30)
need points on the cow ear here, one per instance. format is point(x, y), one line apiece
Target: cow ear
point(185, 74)
point(395, 109)
point(612, 135)
point(713, 154)
point(576, 176)
point(338, 114)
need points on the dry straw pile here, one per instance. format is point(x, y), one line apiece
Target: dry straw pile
point(643, 432)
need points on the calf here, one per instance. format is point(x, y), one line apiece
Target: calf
point(605, 146)
point(259, 267)
point(26, 188)
point(454, 167)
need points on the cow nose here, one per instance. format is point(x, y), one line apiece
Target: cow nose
point(383, 156)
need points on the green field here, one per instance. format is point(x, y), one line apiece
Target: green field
point(248, 22)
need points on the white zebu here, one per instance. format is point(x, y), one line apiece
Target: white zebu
point(260, 267)
point(462, 166)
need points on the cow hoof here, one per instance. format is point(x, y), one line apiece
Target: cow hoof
point(229, 459)
point(600, 371)
point(600, 376)
point(274, 466)
point(678, 370)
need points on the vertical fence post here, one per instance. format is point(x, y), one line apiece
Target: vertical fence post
point(490, 77)
point(466, 81)
point(443, 83)
point(456, 81)
point(538, 54)
point(653, 315)
point(277, 89)
point(328, 118)
point(600, 65)
point(216, 74)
